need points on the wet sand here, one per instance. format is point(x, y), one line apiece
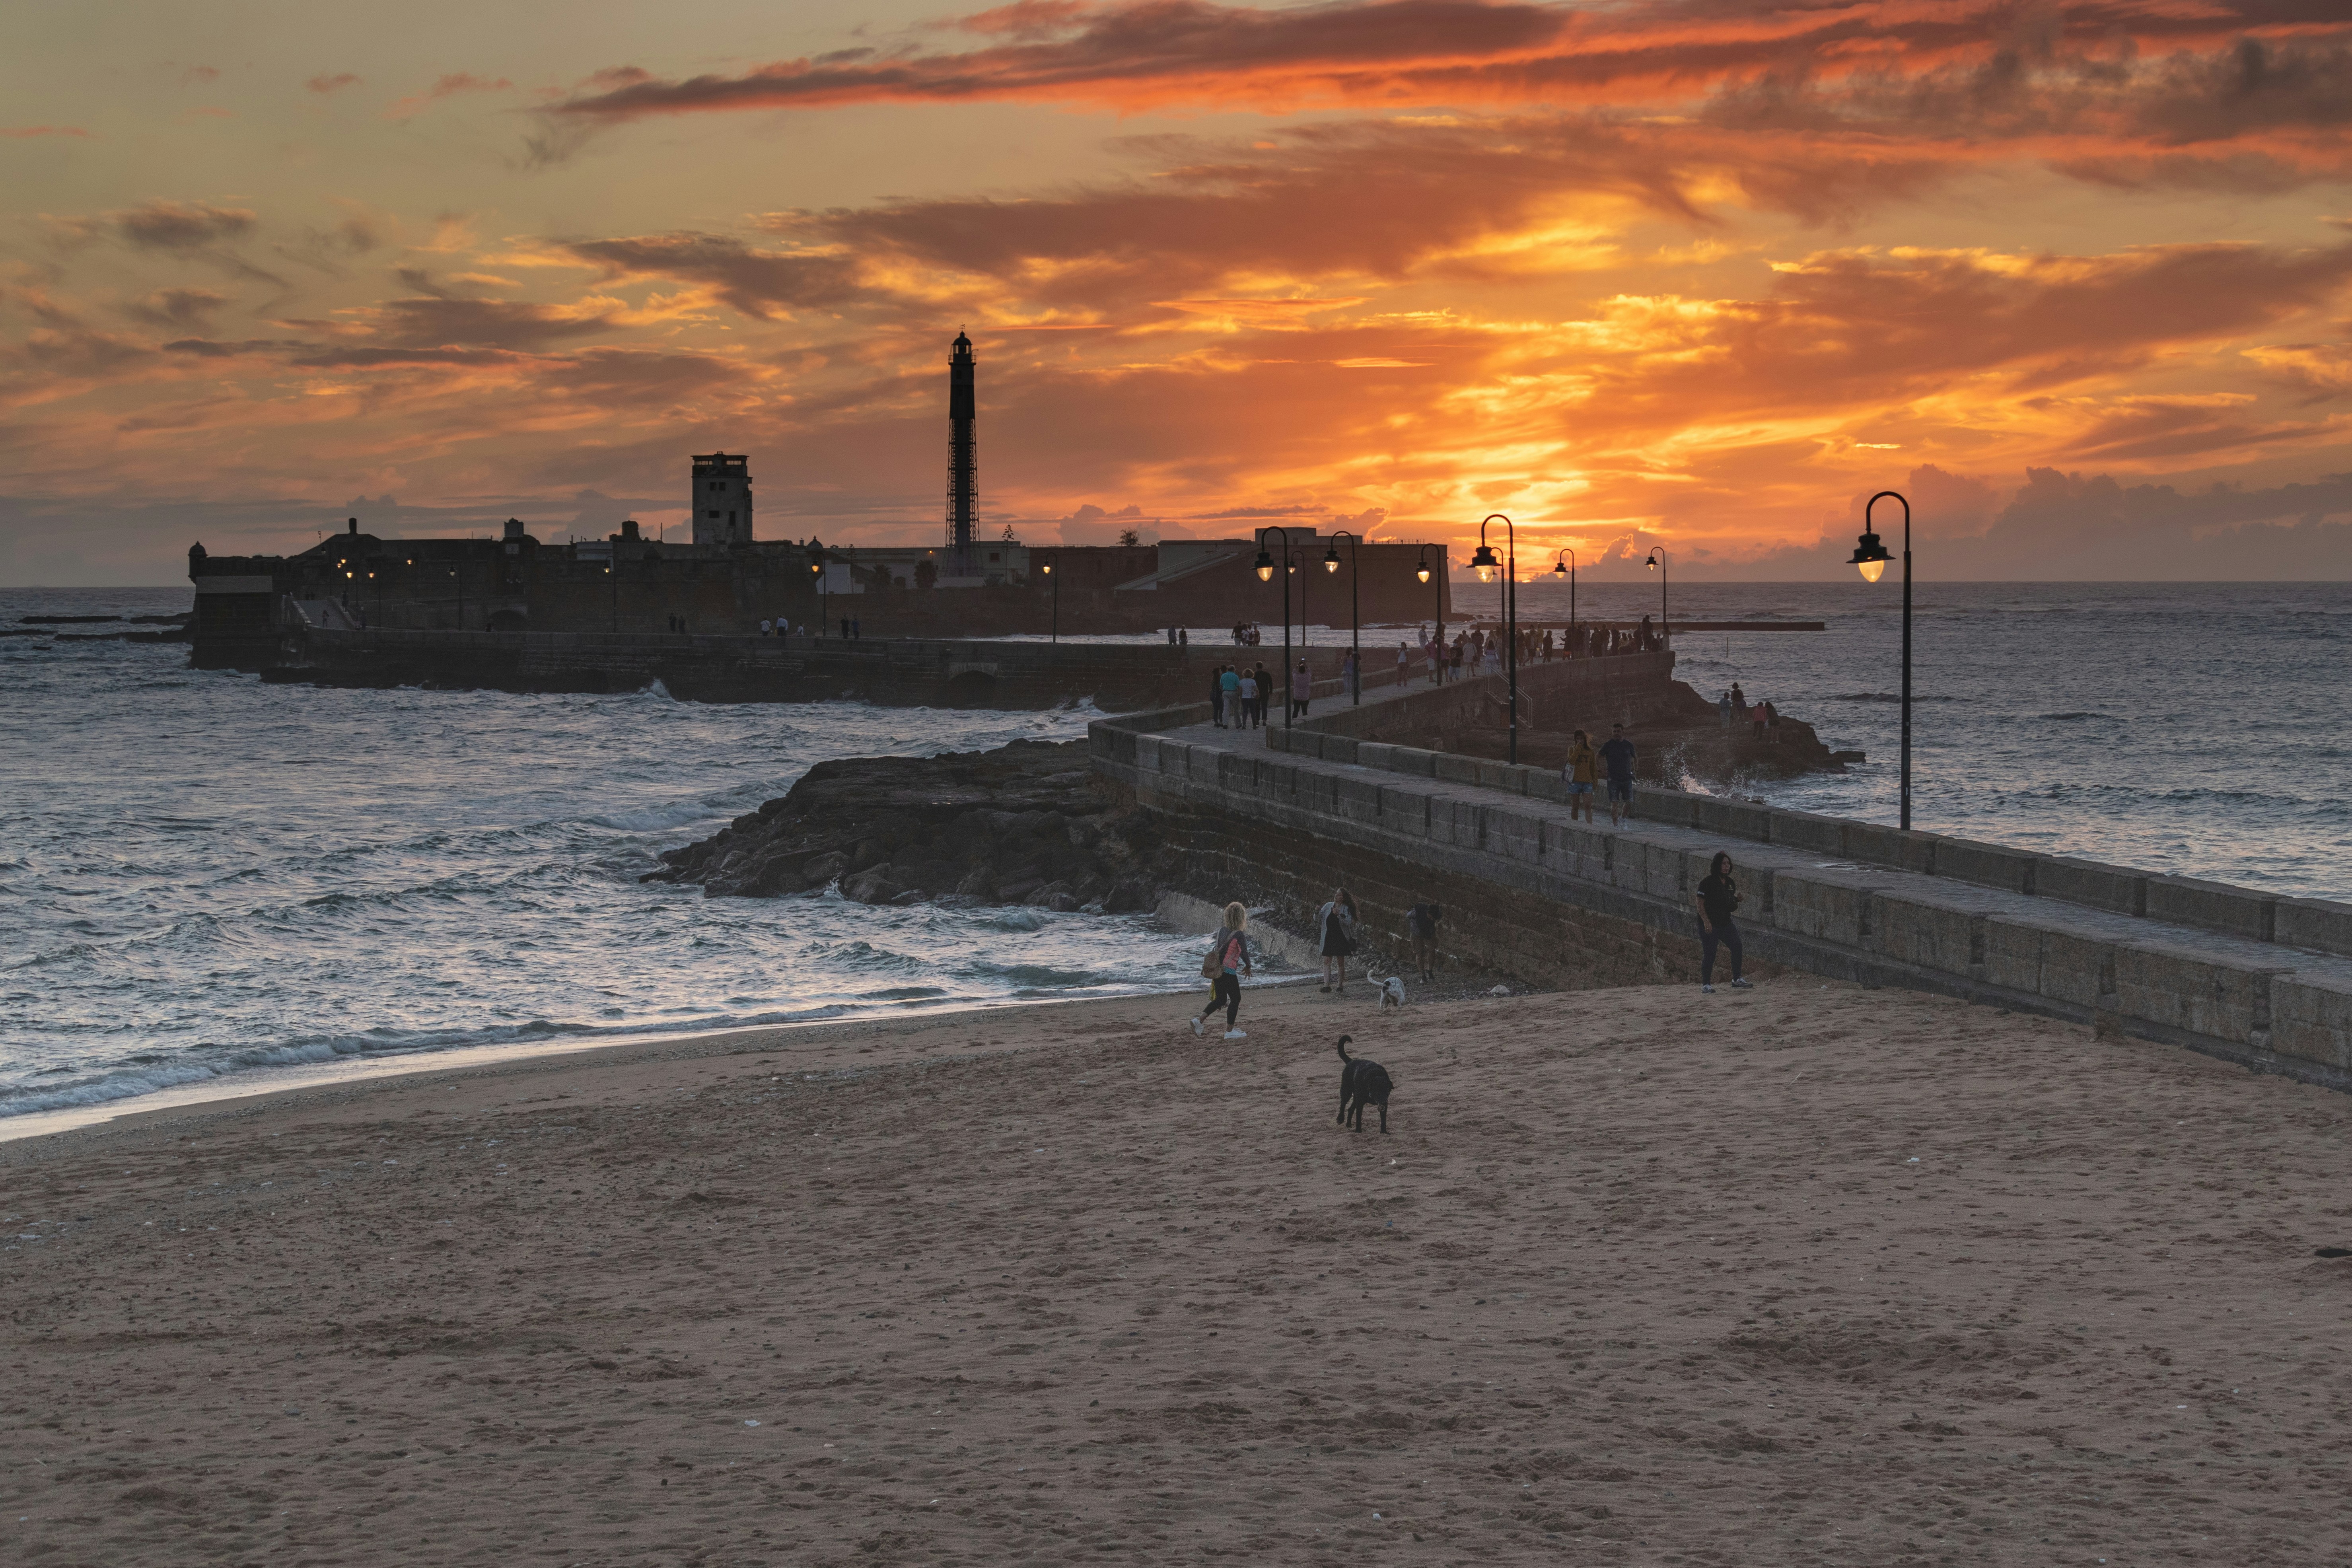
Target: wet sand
point(1805, 1275)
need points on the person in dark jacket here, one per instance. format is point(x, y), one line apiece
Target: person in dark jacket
point(1717, 899)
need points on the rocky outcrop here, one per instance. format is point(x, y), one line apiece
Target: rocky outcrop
point(1030, 823)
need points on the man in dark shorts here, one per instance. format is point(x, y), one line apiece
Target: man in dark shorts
point(1617, 756)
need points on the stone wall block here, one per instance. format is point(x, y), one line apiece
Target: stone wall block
point(1545, 785)
point(1356, 799)
point(2090, 884)
point(1804, 831)
point(1931, 934)
point(1453, 768)
point(1404, 810)
point(1985, 865)
point(2189, 989)
point(1377, 755)
point(1809, 904)
point(1516, 835)
point(1732, 818)
point(2311, 1017)
point(2211, 906)
point(2314, 923)
point(1873, 844)
point(2049, 957)
point(1339, 748)
point(1502, 776)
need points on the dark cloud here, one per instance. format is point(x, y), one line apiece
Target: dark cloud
point(323, 84)
point(761, 283)
point(181, 308)
point(479, 323)
point(183, 228)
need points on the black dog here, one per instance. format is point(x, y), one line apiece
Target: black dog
point(1362, 1083)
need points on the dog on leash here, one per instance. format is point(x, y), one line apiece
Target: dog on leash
point(1362, 1083)
point(1392, 992)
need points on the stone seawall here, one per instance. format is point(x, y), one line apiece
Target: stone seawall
point(2258, 979)
point(903, 672)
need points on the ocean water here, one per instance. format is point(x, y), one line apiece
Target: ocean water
point(207, 880)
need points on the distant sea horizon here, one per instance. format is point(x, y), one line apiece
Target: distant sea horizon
point(211, 877)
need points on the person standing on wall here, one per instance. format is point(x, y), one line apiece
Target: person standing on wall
point(1335, 924)
point(1582, 774)
point(1302, 689)
point(1717, 897)
point(1404, 667)
point(1265, 684)
point(1232, 681)
point(1251, 697)
point(1617, 756)
point(1226, 961)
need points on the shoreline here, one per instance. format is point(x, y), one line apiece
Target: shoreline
point(309, 1077)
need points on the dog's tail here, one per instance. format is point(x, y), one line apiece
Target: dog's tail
point(1343, 1047)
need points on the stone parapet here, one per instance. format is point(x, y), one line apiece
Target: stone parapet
point(2244, 975)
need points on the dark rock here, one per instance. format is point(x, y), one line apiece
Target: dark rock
point(1028, 821)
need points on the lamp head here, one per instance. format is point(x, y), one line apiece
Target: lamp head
point(1869, 557)
point(1422, 574)
point(1653, 562)
point(1483, 563)
point(1265, 567)
point(1331, 558)
point(1047, 569)
point(1560, 568)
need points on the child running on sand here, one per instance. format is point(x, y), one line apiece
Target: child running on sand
point(1224, 965)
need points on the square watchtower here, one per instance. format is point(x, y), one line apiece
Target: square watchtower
point(722, 500)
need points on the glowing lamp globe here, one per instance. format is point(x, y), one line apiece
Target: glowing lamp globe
point(1331, 559)
point(1422, 574)
point(1869, 557)
point(1484, 565)
point(1265, 567)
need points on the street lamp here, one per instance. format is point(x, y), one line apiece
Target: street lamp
point(1869, 558)
point(1266, 574)
point(1568, 571)
point(1422, 572)
point(1658, 562)
point(1355, 638)
point(1484, 565)
point(823, 602)
point(1057, 582)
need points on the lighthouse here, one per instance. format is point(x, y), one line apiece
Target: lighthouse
point(963, 458)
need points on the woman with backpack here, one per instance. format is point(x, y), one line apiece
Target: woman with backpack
point(1335, 923)
point(1227, 960)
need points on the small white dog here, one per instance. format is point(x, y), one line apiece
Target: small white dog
point(1392, 992)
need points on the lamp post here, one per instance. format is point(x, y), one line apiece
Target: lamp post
point(1057, 582)
point(1568, 571)
point(1266, 574)
point(1422, 572)
point(1483, 563)
point(1657, 564)
point(1870, 556)
point(1355, 638)
point(823, 602)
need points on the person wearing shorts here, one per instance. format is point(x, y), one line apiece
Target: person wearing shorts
point(1581, 773)
point(1617, 755)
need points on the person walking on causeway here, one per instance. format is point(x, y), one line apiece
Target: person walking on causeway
point(1717, 897)
point(1225, 964)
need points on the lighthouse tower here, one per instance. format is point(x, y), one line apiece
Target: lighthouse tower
point(963, 458)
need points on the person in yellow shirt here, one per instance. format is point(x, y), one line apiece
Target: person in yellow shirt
point(1581, 773)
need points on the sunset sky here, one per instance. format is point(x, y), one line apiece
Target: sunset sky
point(2077, 277)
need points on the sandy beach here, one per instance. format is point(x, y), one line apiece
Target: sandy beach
point(1805, 1275)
